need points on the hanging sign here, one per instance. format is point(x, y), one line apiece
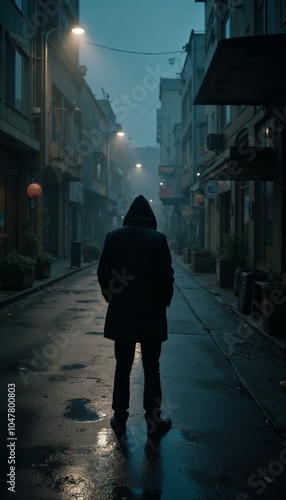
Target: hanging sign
point(34, 190)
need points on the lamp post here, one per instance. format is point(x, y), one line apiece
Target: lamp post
point(119, 133)
point(76, 30)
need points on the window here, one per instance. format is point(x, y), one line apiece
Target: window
point(225, 116)
point(264, 216)
point(264, 17)
point(23, 6)
point(97, 169)
point(283, 11)
point(225, 27)
point(17, 76)
point(18, 81)
point(19, 4)
point(211, 29)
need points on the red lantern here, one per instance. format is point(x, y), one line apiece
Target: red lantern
point(34, 190)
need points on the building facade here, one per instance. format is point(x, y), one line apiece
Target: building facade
point(53, 132)
point(192, 140)
point(243, 94)
point(20, 145)
point(168, 121)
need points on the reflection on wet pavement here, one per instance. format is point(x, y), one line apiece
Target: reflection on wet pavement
point(109, 468)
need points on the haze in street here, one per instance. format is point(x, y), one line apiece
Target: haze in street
point(132, 79)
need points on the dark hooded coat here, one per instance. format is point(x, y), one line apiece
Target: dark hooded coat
point(136, 277)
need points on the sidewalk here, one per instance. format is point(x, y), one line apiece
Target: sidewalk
point(60, 269)
point(226, 298)
point(257, 359)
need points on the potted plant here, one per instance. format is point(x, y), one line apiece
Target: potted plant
point(87, 254)
point(180, 238)
point(44, 262)
point(273, 305)
point(17, 271)
point(200, 259)
point(187, 252)
point(231, 257)
point(95, 249)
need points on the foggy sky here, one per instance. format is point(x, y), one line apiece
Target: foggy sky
point(132, 80)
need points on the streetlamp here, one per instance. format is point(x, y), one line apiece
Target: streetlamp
point(76, 30)
point(119, 133)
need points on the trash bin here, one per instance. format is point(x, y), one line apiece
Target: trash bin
point(246, 289)
point(76, 254)
point(237, 279)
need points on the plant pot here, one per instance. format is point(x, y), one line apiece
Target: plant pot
point(201, 262)
point(43, 270)
point(87, 256)
point(95, 253)
point(187, 255)
point(273, 308)
point(225, 271)
point(16, 280)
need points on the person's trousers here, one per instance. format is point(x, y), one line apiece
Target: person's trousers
point(124, 355)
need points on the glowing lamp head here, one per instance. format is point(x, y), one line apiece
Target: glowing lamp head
point(78, 30)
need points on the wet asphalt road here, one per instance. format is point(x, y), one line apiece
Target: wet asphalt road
point(52, 349)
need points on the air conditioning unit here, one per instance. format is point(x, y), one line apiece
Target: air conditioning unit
point(215, 142)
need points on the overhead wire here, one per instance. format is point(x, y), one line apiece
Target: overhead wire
point(133, 51)
point(140, 53)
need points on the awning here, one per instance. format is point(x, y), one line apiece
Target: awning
point(169, 196)
point(258, 164)
point(198, 187)
point(245, 71)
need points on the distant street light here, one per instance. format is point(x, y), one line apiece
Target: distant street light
point(138, 165)
point(120, 133)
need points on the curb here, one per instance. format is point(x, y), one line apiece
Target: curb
point(38, 287)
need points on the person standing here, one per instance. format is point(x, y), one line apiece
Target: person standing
point(136, 278)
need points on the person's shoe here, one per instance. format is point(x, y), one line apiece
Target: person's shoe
point(118, 427)
point(158, 426)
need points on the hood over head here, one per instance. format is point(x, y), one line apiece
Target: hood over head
point(140, 214)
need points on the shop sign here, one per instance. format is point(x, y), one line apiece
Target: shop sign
point(211, 189)
point(76, 192)
point(224, 186)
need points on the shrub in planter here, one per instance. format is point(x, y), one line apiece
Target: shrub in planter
point(44, 262)
point(95, 250)
point(231, 257)
point(87, 254)
point(273, 305)
point(201, 261)
point(188, 248)
point(91, 252)
point(17, 271)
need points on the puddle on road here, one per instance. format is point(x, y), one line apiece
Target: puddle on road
point(77, 309)
point(82, 410)
point(189, 288)
point(87, 301)
point(94, 333)
point(77, 366)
